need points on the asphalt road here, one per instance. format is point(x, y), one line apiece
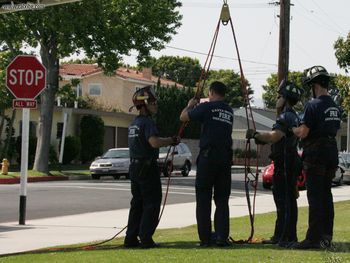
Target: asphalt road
point(51, 199)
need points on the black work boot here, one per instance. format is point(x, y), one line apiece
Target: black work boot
point(149, 243)
point(307, 244)
point(287, 243)
point(223, 242)
point(272, 241)
point(204, 244)
point(131, 242)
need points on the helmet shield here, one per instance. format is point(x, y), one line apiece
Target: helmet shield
point(291, 91)
point(314, 72)
point(144, 96)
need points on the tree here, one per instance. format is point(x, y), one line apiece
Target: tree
point(183, 70)
point(5, 102)
point(270, 95)
point(232, 80)
point(339, 89)
point(171, 101)
point(342, 84)
point(342, 52)
point(104, 29)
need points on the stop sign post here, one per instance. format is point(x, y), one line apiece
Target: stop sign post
point(26, 79)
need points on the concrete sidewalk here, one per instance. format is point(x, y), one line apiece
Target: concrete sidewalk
point(89, 227)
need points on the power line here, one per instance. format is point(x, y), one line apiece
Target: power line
point(218, 56)
point(330, 18)
point(323, 24)
point(233, 5)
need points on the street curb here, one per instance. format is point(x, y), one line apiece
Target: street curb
point(78, 177)
point(33, 179)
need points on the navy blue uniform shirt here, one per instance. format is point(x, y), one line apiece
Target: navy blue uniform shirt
point(140, 130)
point(217, 121)
point(322, 117)
point(286, 121)
point(288, 144)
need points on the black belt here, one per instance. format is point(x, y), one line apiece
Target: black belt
point(322, 140)
point(141, 160)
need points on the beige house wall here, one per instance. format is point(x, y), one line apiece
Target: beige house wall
point(116, 93)
point(73, 123)
point(34, 117)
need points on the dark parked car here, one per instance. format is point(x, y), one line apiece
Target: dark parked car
point(115, 162)
point(182, 160)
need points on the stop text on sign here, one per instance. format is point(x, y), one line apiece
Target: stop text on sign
point(25, 77)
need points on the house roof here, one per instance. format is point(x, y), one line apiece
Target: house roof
point(264, 118)
point(84, 70)
point(79, 70)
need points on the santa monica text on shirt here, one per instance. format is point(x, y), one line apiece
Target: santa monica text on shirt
point(224, 115)
point(333, 114)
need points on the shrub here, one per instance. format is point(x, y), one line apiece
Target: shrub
point(31, 149)
point(52, 155)
point(240, 153)
point(71, 149)
point(91, 137)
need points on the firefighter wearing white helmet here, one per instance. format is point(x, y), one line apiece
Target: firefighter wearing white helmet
point(144, 143)
point(318, 129)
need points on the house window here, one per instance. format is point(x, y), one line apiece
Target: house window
point(59, 130)
point(79, 91)
point(95, 89)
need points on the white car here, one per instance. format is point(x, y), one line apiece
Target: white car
point(344, 168)
point(115, 162)
point(182, 160)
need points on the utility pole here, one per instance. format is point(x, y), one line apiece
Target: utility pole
point(283, 53)
point(348, 134)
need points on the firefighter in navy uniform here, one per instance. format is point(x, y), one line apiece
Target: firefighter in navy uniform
point(286, 162)
point(318, 130)
point(144, 145)
point(213, 163)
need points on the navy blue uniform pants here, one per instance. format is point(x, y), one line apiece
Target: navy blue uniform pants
point(146, 199)
point(213, 175)
point(321, 209)
point(284, 195)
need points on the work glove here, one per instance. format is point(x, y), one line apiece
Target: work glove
point(250, 133)
point(176, 140)
point(257, 140)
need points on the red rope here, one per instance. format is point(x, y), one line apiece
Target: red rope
point(253, 180)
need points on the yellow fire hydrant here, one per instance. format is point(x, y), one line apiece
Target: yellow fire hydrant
point(5, 166)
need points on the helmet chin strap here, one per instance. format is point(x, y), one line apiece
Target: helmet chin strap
point(281, 107)
point(147, 111)
point(313, 93)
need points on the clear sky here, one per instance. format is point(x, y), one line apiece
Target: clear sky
point(315, 26)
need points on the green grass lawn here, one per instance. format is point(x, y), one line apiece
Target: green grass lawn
point(181, 245)
point(64, 170)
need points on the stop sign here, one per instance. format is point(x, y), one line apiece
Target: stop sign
point(25, 77)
